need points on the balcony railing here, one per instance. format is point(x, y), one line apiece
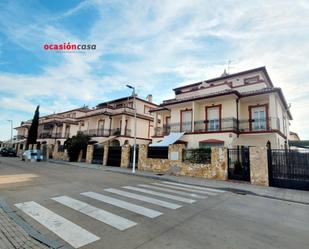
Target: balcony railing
point(96, 132)
point(259, 125)
point(217, 125)
point(52, 135)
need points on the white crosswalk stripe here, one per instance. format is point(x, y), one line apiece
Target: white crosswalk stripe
point(173, 197)
point(186, 189)
point(65, 229)
point(173, 191)
point(150, 213)
point(194, 187)
point(111, 219)
point(144, 198)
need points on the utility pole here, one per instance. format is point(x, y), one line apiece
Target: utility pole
point(11, 121)
point(135, 124)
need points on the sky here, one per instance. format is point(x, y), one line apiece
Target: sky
point(153, 45)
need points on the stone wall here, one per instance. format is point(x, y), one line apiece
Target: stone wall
point(258, 166)
point(175, 164)
point(57, 155)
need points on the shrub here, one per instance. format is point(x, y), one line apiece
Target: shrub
point(75, 144)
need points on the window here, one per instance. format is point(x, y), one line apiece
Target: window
point(186, 121)
point(101, 124)
point(251, 80)
point(147, 109)
point(258, 118)
point(213, 118)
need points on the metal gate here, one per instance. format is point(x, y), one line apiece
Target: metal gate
point(131, 157)
point(114, 156)
point(239, 164)
point(98, 152)
point(288, 168)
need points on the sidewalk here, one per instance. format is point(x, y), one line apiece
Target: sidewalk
point(16, 233)
point(297, 196)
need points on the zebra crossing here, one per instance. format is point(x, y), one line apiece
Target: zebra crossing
point(166, 195)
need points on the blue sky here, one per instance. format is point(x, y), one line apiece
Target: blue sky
point(155, 45)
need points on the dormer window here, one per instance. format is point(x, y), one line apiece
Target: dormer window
point(251, 80)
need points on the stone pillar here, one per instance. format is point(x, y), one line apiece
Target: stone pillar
point(123, 125)
point(64, 126)
point(34, 146)
point(55, 151)
point(219, 162)
point(125, 156)
point(89, 153)
point(80, 156)
point(105, 155)
point(258, 166)
point(175, 152)
point(142, 156)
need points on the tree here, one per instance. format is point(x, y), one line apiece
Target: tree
point(76, 144)
point(33, 131)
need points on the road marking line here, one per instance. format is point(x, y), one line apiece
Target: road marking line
point(150, 213)
point(73, 234)
point(186, 189)
point(108, 218)
point(194, 187)
point(173, 191)
point(173, 197)
point(144, 198)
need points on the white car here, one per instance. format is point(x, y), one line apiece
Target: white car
point(32, 155)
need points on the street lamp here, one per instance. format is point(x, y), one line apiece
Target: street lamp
point(9, 120)
point(134, 146)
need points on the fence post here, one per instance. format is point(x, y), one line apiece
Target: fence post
point(219, 161)
point(259, 166)
point(89, 153)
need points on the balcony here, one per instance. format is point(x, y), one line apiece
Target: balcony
point(259, 125)
point(223, 125)
point(117, 132)
point(52, 135)
point(96, 132)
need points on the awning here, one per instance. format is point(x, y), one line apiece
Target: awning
point(169, 139)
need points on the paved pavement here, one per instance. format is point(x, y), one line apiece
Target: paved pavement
point(86, 208)
point(237, 187)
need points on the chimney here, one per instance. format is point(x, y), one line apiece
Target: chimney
point(149, 98)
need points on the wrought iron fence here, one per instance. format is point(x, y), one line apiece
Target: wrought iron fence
point(225, 124)
point(158, 152)
point(262, 124)
point(200, 155)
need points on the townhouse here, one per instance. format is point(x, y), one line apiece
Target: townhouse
point(240, 109)
point(112, 120)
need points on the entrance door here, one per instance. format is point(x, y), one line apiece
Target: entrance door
point(114, 156)
point(258, 116)
point(239, 164)
point(186, 121)
point(213, 118)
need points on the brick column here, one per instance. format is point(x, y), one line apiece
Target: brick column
point(89, 154)
point(258, 166)
point(125, 156)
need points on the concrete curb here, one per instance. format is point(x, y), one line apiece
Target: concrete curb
point(54, 244)
point(160, 177)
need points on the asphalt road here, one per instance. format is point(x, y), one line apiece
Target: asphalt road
point(136, 220)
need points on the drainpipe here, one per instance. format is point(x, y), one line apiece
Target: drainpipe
point(237, 115)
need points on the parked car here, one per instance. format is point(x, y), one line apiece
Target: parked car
point(36, 155)
point(9, 152)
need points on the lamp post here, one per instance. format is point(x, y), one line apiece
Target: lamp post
point(11, 121)
point(134, 146)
